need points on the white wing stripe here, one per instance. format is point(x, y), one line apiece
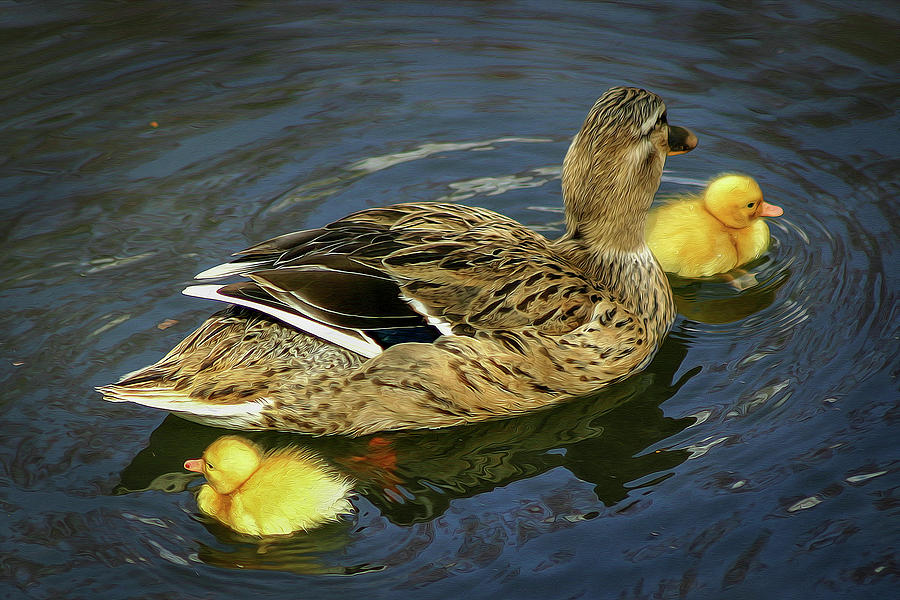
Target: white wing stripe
point(230, 268)
point(363, 347)
point(439, 324)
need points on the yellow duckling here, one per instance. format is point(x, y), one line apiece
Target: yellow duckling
point(276, 492)
point(713, 233)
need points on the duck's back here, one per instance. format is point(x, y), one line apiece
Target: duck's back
point(688, 241)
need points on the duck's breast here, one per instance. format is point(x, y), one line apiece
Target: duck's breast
point(753, 242)
point(211, 502)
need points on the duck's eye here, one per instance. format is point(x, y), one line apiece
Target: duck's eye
point(210, 467)
point(751, 205)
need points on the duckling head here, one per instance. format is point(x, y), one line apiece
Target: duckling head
point(614, 164)
point(227, 463)
point(737, 200)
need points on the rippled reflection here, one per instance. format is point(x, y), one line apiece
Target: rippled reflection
point(413, 477)
point(145, 141)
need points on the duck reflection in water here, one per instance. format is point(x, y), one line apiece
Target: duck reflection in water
point(412, 477)
point(268, 493)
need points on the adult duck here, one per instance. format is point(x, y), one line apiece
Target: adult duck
point(432, 314)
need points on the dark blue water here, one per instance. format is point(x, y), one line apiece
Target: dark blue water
point(144, 142)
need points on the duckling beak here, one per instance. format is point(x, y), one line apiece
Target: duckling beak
point(770, 210)
point(195, 465)
point(681, 140)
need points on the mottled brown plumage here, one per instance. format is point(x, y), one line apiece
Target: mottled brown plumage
point(526, 322)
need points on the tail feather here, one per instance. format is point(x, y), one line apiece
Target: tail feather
point(174, 401)
point(231, 269)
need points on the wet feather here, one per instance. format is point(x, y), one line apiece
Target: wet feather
point(526, 322)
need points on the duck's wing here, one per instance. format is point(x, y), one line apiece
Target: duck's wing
point(451, 268)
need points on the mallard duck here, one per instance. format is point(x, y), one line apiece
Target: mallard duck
point(698, 236)
point(276, 492)
point(429, 315)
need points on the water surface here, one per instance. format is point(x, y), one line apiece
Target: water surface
point(145, 142)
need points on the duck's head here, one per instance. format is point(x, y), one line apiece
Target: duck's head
point(614, 164)
point(227, 463)
point(736, 201)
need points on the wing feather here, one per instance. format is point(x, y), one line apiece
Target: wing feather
point(457, 268)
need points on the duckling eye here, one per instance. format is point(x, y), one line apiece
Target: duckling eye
point(210, 467)
point(750, 205)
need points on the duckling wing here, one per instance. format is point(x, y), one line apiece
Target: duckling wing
point(453, 268)
point(688, 241)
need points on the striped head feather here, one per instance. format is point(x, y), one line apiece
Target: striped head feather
point(613, 168)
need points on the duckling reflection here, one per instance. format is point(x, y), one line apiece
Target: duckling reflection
point(713, 233)
point(268, 493)
point(706, 301)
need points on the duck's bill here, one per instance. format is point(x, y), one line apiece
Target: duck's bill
point(195, 465)
point(681, 140)
point(770, 210)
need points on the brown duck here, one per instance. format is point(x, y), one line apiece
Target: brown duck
point(432, 314)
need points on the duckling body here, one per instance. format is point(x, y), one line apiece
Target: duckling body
point(278, 492)
point(431, 314)
point(712, 233)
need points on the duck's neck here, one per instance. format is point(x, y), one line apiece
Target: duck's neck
point(618, 224)
point(632, 278)
point(605, 220)
point(607, 193)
